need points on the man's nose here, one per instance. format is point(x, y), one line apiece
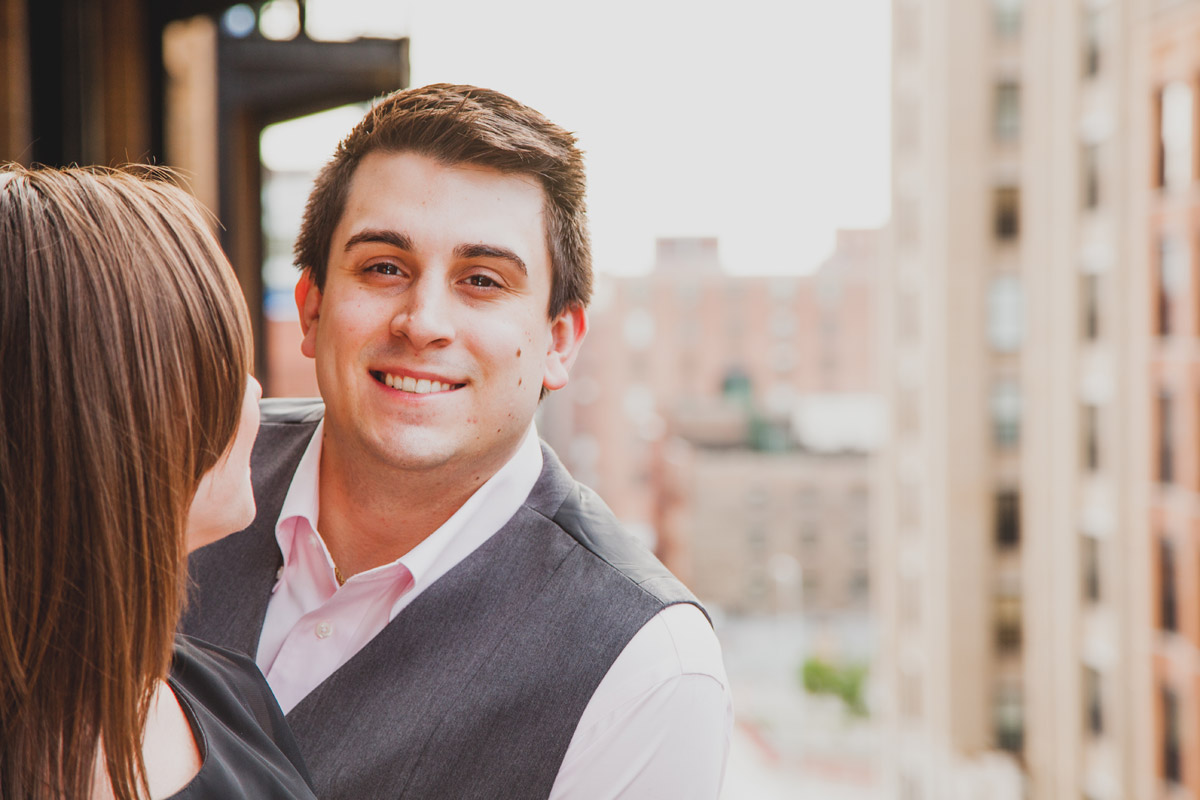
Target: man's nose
point(424, 315)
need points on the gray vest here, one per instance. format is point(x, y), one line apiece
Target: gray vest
point(475, 689)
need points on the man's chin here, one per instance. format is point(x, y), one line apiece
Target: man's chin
point(412, 451)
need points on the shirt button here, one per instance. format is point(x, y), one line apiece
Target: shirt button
point(279, 573)
point(324, 630)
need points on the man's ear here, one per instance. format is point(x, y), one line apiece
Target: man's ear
point(566, 335)
point(308, 303)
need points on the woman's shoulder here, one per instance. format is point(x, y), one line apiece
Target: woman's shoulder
point(219, 676)
point(227, 688)
point(199, 658)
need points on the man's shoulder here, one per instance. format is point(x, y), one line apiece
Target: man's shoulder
point(291, 410)
point(287, 426)
point(587, 519)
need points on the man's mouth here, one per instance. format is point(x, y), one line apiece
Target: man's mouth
point(407, 383)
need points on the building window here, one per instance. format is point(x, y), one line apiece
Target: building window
point(908, 411)
point(1172, 767)
point(908, 124)
point(810, 587)
point(859, 588)
point(908, 313)
point(1093, 687)
point(1175, 128)
point(910, 696)
point(639, 328)
point(1007, 620)
point(910, 788)
point(1006, 413)
point(1008, 716)
point(1006, 313)
point(783, 324)
point(1006, 213)
point(858, 498)
point(908, 29)
point(910, 601)
point(860, 539)
point(1166, 438)
point(908, 504)
point(688, 294)
point(1008, 518)
point(1091, 307)
point(1006, 17)
point(808, 501)
point(736, 385)
point(1091, 569)
point(1090, 435)
point(755, 497)
point(1162, 303)
point(756, 538)
point(1091, 42)
point(1166, 582)
point(1091, 176)
point(907, 219)
point(810, 534)
point(783, 358)
point(1007, 123)
point(1172, 274)
point(757, 590)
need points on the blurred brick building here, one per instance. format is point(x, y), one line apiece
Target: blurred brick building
point(729, 420)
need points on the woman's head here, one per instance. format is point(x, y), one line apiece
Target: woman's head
point(124, 350)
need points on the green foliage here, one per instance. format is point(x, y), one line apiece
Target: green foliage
point(846, 682)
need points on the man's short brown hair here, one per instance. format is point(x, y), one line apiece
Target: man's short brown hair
point(465, 125)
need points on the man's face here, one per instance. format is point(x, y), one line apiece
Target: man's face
point(431, 336)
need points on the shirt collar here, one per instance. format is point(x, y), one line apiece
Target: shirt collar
point(484, 512)
point(302, 500)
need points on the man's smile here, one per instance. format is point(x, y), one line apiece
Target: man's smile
point(414, 385)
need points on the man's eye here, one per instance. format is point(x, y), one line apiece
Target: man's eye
point(384, 268)
point(482, 281)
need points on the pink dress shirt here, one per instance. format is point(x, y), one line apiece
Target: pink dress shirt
point(657, 726)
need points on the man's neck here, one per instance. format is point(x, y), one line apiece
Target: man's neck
point(370, 516)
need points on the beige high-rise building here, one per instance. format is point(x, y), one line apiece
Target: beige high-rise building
point(1012, 572)
point(1169, 89)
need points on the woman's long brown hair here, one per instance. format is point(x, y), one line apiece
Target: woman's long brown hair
point(124, 350)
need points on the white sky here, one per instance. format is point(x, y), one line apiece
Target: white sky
point(761, 122)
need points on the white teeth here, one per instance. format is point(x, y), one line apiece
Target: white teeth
point(414, 385)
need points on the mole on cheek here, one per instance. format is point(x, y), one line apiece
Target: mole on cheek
point(518, 352)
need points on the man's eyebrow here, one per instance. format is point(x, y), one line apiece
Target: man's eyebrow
point(398, 240)
point(490, 251)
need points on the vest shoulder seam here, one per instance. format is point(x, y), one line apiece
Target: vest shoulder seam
point(659, 601)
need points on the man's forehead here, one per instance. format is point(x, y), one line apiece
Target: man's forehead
point(479, 205)
point(391, 163)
